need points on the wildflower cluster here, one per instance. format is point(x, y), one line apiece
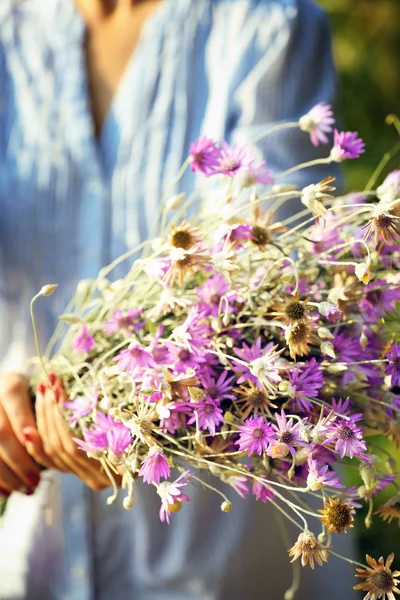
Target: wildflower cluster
point(255, 350)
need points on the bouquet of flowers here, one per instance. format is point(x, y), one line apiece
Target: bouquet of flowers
point(261, 352)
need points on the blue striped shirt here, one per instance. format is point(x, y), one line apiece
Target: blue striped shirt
point(70, 203)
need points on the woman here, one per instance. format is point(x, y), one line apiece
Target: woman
point(99, 103)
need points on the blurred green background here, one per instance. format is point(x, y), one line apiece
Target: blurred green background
point(366, 45)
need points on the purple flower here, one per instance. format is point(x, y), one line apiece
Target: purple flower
point(257, 173)
point(118, 439)
point(154, 466)
point(319, 478)
point(135, 360)
point(342, 407)
point(378, 300)
point(330, 311)
point(347, 437)
point(172, 496)
point(94, 440)
point(209, 415)
point(119, 321)
point(211, 293)
point(347, 144)
point(239, 484)
point(81, 406)
point(204, 155)
point(325, 234)
point(262, 492)
point(317, 122)
point(218, 389)
point(194, 331)
point(233, 160)
point(393, 368)
point(255, 435)
point(238, 232)
point(287, 435)
point(304, 382)
point(249, 354)
point(183, 359)
point(84, 341)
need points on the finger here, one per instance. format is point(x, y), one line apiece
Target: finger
point(14, 455)
point(9, 481)
point(16, 403)
point(47, 433)
point(34, 447)
point(84, 467)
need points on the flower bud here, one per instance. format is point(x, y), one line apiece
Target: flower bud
point(175, 506)
point(226, 506)
point(327, 348)
point(127, 503)
point(278, 450)
point(363, 272)
point(174, 202)
point(48, 289)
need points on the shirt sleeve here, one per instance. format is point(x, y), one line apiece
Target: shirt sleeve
point(286, 69)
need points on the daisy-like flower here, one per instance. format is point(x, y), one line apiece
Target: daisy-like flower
point(81, 406)
point(234, 159)
point(255, 435)
point(264, 228)
point(248, 354)
point(118, 439)
point(304, 382)
point(318, 122)
point(204, 155)
point(309, 549)
point(287, 435)
point(330, 311)
point(183, 262)
point(313, 196)
point(183, 236)
point(216, 296)
point(262, 492)
point(393, 368)
point(265, 371)
point(135, 360)
point(347, 437)
point(384, 225)
point(218, 388)
point(347, 145)
point(380, 581)
point(257, 173)
point(389, 191)
point(239, 484)
point(377, 300)
point(209, 415)
point(84, 342)
point(291, 309)
point(120, 321)
point(172, 496)
point(154, 467)
point(390, 510)
point(193, 332)
point(252, 399)
point(318, 478)
point(337, 515)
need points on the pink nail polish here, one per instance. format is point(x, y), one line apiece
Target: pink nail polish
point(29, 491)
point(52, 378)
point(27, 437)
point(41, 388)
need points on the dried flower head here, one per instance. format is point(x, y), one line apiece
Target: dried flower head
point(384, 225)
point(390, 510)
point(309, 548)
point(313, 196)
point(253, 400)
point(184, 236)
point(184, 262)
point(298, 336)
point(380, 580)
point(337, 515)
point(291, 309)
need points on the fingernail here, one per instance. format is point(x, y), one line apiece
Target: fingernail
point(5, 493)
point(33, 478)
point(41, 388)
point(27, 436)
point(52, 378)
point(29, 491)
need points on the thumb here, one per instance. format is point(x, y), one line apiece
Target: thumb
point(16, 402)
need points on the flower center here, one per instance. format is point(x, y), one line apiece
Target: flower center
point(182, 239)
point(230, 164)
point(384, 222)
point(212, 391)
point(214, 299)
point(184, 355)
point(258, 433)
point(209, 409)
point(260, 236)
point(299, 333)
point(383, 580)
point(295, 311)
point(287, 437)
point(257, 398)
point(345, 433)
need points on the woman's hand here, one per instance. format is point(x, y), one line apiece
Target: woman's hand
point(17, 469)
point(56, 438)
